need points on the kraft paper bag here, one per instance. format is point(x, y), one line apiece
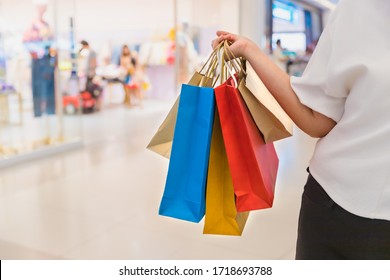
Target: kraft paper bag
point(221, 214)
point(262, 94)
point(269, 125)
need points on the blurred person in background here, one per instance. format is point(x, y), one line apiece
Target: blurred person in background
point(133, 76)
point(87, 73)
point(280, 58)
point(127, 64)
point(88, 64)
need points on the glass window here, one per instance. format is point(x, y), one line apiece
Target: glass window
point(35, 78)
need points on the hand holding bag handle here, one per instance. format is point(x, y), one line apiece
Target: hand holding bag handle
point(227, 64)
point(238, 64)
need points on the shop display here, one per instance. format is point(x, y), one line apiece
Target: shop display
point(157, 53)
point(7, 92)
point(43, 84)
point(170, 57)
point(38, 39)
point(32, 84)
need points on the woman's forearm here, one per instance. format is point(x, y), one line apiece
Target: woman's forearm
point(278, 83)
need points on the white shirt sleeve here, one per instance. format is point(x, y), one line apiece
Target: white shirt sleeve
point(323, 85)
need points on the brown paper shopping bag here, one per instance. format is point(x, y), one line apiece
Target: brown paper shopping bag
point(273, 122)
point(269, 125)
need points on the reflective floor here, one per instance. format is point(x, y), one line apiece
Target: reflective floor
point(101, 201)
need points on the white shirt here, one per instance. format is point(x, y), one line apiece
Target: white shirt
point(348, 80)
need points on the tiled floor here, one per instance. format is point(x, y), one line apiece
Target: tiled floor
point(101, 201)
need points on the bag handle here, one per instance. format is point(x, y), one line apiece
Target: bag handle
point(212, 63)
point(231, 58)
point(225, 66)
point(238, 66)
point(211, 72)
point(211, 58)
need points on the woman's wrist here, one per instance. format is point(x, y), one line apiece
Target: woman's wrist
point(251, 52)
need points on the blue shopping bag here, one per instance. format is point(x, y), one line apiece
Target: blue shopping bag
point(185, 188)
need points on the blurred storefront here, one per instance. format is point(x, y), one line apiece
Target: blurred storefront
point(42, 98)
point(36, 63)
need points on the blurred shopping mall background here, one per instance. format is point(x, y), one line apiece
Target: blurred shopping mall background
point(76, 180)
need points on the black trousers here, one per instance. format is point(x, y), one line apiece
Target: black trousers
point(328, 232)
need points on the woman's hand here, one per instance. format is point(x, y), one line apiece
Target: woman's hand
point(239, 45)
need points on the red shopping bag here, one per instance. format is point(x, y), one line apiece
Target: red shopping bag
point(253, 164)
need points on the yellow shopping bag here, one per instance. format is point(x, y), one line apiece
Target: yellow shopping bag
point(221, 214)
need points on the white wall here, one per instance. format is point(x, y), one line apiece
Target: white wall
point(134, 21)
point(252, 19)
point(125, 20)
point(209, 16)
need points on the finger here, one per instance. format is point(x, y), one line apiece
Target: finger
point(227, 36)
point(216, 42)
point(221, 32)
point(230, 37)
